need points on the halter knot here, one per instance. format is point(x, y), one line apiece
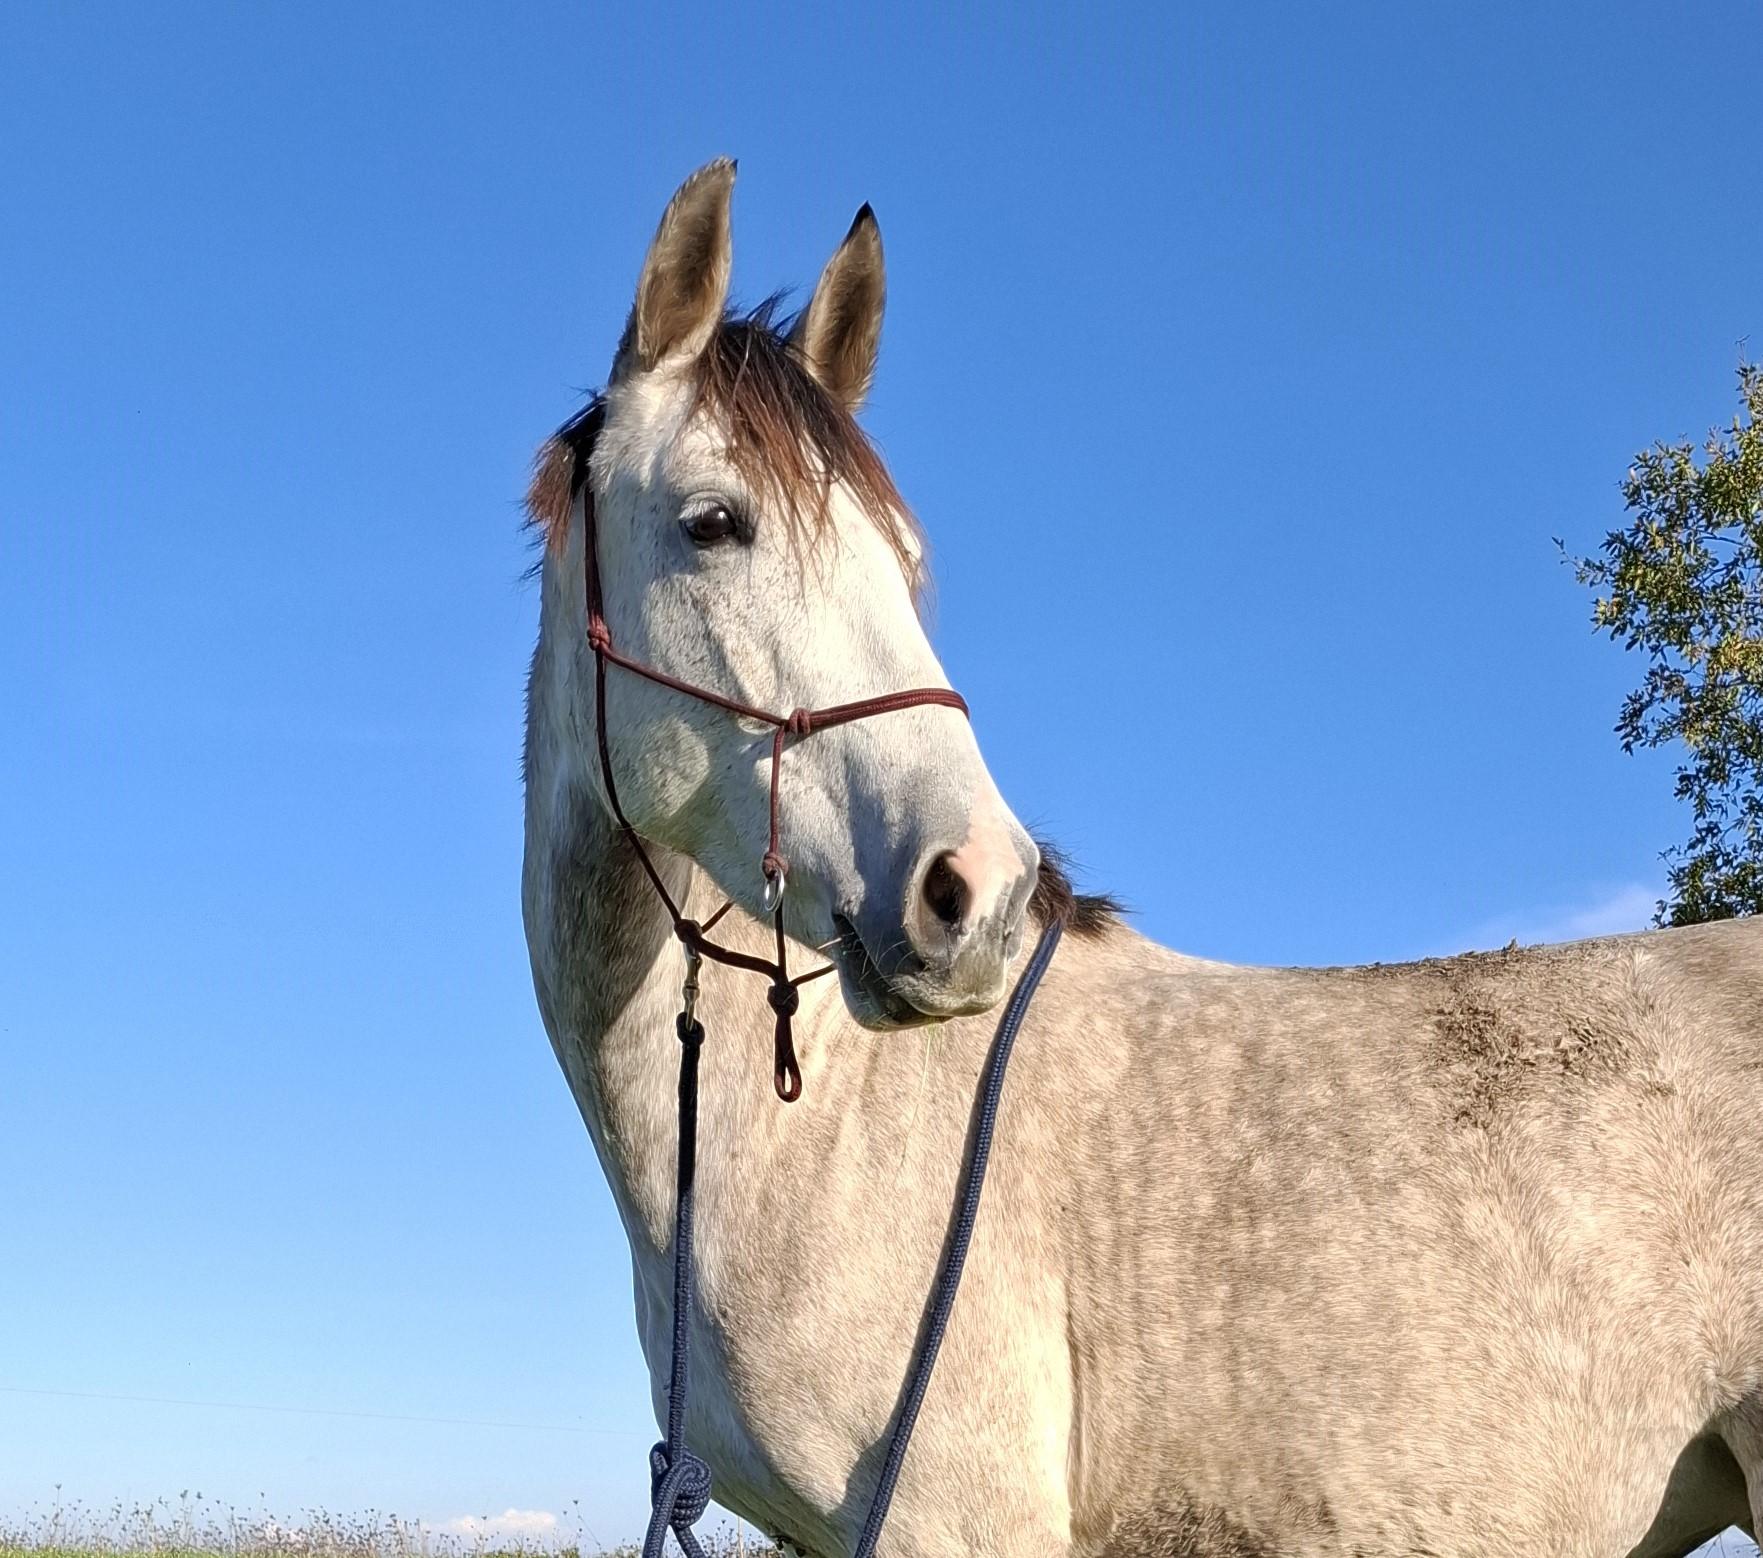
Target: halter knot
point(785, 999)
point(773, 865)
point(599, 635)
point(690, 933)
point(800, 722)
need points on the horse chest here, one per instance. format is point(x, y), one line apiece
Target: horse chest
point(758, 1408)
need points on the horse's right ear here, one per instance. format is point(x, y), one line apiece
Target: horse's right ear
point(684, 285)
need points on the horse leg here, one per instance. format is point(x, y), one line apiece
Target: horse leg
point(1704, 1494)
point(1742, 1429)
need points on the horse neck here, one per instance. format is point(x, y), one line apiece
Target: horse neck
point(608, 970)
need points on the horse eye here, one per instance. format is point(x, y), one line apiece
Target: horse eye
point(711, 524)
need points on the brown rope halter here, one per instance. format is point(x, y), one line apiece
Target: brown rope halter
point(783, 996)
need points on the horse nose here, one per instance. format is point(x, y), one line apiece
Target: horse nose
point(982, 883)
point(946, 892)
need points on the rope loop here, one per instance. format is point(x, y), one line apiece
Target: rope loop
point(786, 1076)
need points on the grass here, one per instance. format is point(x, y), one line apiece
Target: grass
point(195, 1527)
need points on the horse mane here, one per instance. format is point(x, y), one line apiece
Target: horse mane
point(789, 439)
point(1054, 898)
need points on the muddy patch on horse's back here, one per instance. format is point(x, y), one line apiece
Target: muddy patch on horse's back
point(1482, 1051)
point(1184, 1530)
point(1502, 1027)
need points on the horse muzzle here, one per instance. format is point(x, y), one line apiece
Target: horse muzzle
point(950, 953)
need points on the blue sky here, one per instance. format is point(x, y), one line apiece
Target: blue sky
point(1242, 364)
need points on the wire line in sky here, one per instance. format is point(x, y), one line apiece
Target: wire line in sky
point(378, 1417)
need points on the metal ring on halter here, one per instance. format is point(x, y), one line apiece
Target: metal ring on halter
point(775, 882)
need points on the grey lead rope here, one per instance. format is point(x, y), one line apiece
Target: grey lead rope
point(679, 1488)
point(679, 1483)
point(942, 1300)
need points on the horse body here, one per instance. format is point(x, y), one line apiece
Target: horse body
point(1458, 1257)
point(1452, 1257)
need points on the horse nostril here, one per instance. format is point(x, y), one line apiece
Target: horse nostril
point(946, 892)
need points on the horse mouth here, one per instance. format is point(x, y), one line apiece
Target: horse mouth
point(869, 993)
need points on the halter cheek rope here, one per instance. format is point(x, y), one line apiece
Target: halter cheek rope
point(785, 992)
point(679, 1482)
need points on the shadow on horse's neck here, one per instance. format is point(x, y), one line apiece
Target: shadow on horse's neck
point(620, 948)
point(611, 984)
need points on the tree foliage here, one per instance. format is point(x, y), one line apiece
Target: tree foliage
point(1683, 584)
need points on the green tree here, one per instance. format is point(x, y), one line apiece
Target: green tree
point(1683, 583)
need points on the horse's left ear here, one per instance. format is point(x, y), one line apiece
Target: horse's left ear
point(839, 332)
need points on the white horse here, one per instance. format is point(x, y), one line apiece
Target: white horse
point(1459, 1257)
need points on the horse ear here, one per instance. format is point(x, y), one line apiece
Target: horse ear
point(839, 333)
point(684, 284)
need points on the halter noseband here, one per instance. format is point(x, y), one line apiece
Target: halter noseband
point(783, 996)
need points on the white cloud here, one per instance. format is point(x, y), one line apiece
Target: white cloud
point(1627, 907)
point(510, 1525)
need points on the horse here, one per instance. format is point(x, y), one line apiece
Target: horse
point(1457, 1257)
